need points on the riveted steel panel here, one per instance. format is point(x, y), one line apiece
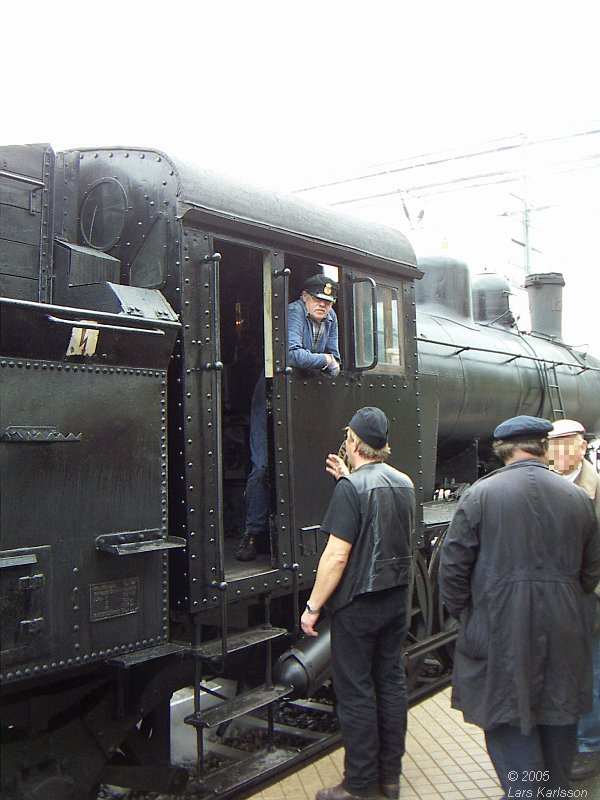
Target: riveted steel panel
point(83, 456)
point(26, 220)
point(25, 591)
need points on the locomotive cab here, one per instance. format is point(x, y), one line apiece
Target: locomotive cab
point(317, 425)
point(242, 338)
point(245, 290)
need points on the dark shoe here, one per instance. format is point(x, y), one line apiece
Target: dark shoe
point(246, 549)
point(585, 765)
point(339, 793)
point(390, 790)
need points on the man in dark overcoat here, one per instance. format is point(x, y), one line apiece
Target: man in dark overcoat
point(518, 568)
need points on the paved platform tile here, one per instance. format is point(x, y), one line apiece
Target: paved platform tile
point(445, 759)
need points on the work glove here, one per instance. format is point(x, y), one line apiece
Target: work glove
point(333, 369)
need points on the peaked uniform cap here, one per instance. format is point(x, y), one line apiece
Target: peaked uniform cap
point(322, 287)
point(523, 427)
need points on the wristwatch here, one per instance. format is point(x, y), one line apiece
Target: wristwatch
point(312, 610)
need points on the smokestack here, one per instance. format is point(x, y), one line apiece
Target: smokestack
point(544, 291)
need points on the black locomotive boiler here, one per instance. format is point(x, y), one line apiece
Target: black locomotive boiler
point(141, 299)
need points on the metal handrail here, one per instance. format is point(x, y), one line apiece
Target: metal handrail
point(98, 326)
point(285, 371)
point(375, 360)
point(511, 356)
point(220, 583)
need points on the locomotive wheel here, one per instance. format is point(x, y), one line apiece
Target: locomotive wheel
point(442, 620)
point(421, 616)
point(148, 742)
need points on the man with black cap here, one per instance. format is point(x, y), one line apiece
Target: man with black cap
point(363, 581)
point(312, 345)
point(518, 568)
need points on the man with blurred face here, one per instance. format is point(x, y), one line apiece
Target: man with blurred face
point(567, 448)
point(566, 456)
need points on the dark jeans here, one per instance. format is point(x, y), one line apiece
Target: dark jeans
point(367, 638)
point(548, 751)
point(257, 490)
point(588, 732)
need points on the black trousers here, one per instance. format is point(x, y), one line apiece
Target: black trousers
point(537, 762)
point(367, 638)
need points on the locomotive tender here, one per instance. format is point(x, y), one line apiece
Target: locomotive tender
point(141, 298)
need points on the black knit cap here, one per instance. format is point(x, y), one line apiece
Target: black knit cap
point(523, 427)
point(371, 425)
point(321, 286)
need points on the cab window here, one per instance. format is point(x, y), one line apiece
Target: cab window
point(389, 328)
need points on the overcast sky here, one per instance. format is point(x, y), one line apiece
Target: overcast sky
point(288, 93)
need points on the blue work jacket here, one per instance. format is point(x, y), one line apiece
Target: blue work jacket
point(300, 340)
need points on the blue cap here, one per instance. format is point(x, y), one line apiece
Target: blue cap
point(371, 425)
point(523, 427)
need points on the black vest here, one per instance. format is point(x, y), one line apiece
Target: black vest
point(381, 553)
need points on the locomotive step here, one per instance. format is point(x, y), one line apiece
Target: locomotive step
point(239, 641)
point(237, 707)
point(141, 656)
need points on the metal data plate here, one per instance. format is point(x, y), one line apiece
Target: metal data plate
point(114, 599)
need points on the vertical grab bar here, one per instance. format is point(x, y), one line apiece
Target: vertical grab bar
point(217, 365)
point(286, 370)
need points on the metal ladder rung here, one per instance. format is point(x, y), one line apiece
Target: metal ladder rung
point(554, 393)
point(236, 707)
point(239, 641)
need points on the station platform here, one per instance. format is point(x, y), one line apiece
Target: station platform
point(445, 759)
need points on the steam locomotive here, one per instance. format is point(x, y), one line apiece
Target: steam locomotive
point(141, 298)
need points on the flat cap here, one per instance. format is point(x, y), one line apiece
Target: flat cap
point(566, 427)
point(524, 427)
point(371, 425)
point(321, 286)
